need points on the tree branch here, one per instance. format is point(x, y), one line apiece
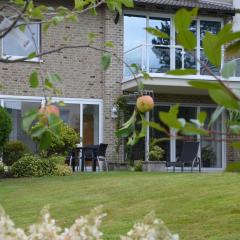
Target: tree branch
point(15, 21)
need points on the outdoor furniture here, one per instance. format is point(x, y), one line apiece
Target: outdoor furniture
point(101, 155)
point(90, 155)
point(72, 159)
point(188, 158)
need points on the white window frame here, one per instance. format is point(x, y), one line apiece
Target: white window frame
point(38, 43)
point(149, 14)
point(173, 139)
point(79, 101)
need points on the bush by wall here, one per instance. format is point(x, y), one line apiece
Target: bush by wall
point(35, 166)
point(57, 159)
point(13, 151)
point(62, 170)
point(5, 126)
point(61, 144)
point(233, 167)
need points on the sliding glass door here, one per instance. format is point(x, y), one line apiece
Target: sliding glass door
point(84, 116)
point(212, 148)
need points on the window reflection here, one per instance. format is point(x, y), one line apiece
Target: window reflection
point(17, 109)
point(159, 56)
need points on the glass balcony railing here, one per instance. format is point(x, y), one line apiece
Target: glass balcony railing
point(162, 58)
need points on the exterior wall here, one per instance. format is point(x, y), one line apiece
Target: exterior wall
point(79, 68)
point(112, 80)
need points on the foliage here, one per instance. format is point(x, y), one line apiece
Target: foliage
point(60, 144)
point(233, 167)
point(138, 165)
point(33, 166)
point(27, 166)
point(67, 139)
point(2, 170)
point(85, 227)
point(156, 153)
point(12, 151)
point(208, 156)
point(5, 126)
point(57, 159)
point(62, 170)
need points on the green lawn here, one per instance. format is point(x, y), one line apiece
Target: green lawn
point(197, 206)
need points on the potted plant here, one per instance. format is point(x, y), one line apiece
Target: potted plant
point(155, 156)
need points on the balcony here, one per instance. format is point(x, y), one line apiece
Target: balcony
point(157, 60)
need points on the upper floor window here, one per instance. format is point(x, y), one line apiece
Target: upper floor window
point(157, 55)
point(21, 44)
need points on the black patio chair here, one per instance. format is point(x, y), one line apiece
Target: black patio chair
point(91, 156)
point(188, 158)
point(101, 155)
point(72, 159)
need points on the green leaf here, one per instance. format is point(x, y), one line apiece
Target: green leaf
point(54, 123)
point(191, 129)
point(45, 140)
point(38, 130)
point(203, 84)
point(22, 28)
point(155, 125)
point(223, 98)
point(229, 69)
point(33, 81)
point(201, 116)
point(182, 72)
point(170, 120)
point(31, 55)
point(54, 77)
point(105, 61)
point(28, 119)
point(187, 39)
point(157, 33)
point(216, 114)
point(91, 37)
point(182, 20)
point(109, 44)
point(212, 49)
point(127, 128)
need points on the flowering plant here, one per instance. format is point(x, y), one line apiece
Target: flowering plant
point(84, 228)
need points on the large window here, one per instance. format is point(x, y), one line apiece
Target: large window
point(157, 55)
point(21, 44)
point(17, 109)
point(84, 116)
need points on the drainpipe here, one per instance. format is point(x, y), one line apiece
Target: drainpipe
point(236, 18)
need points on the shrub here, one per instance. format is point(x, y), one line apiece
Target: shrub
point(2, 170)
point(61, 144)
point(5, 126)
point(62, 170)
point(33, 166)
point(138, 166)
point(60, 160)
point(12, 151)
point(156, 153)
point(27, 166)
point(233, 167)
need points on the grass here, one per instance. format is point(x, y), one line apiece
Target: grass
point(197, 206)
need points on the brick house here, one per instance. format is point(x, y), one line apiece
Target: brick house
point(90, 93)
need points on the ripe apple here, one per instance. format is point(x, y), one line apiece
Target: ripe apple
point(145, 104)
point(46, 111)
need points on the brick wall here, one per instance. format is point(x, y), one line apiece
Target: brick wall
point(79, 68)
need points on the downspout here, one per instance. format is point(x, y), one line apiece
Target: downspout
point(236, 18)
